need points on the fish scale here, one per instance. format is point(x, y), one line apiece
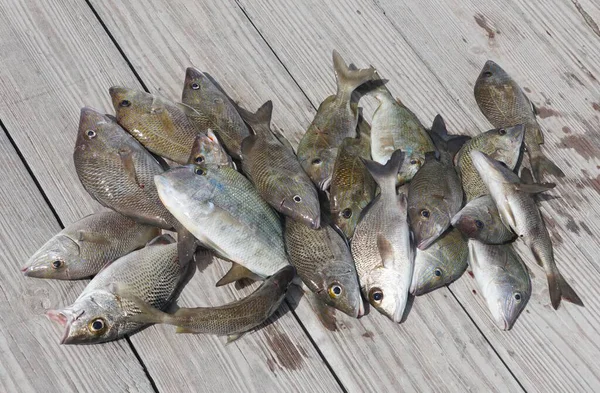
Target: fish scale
point(86, 245)
point(118, 172)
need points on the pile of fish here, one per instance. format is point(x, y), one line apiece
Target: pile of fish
point(363, 214)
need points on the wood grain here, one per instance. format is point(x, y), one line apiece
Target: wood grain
point(32, 360)
point(371, 354)
point(57, 59)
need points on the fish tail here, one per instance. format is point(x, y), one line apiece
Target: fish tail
point(444, 141)
point(261, 119)
point(540, 164)
point(347, 79)
point(560, 289)
point(385, 175)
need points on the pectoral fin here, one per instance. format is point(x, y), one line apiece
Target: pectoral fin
point(386, 250)
point(129, 166)
point(237, 272)
point(92, 237)
point(535, 188)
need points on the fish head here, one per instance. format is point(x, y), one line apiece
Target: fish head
point(59, 258)
point(92, 319)
point(345, 216)
point(339, 287)
point(207, 150)
point(493, 173)
point(428, 219)
point(410, 166)
point(319, 167)
point(384, 290)
point(492, 75)
point(507, 142)
point(299, 200)
point(98, 135)
point(475, 219)
point(506, 297)
point(133, 107)
point(197, 87)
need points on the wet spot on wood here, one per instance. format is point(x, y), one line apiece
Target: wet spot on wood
point(287, 354)
point(566, 130)
point(581, 145)
point(596, 106)
point(587, 229)
point(358, 12)
point(485, 25)
point(527, 89)
point(471, 274)
point(326, 315)
point(303, 351)
point(554, 232)
point(572, 76)
point(572, 226)
point(474, 292)
point(587, 18)
point(545, 112)
point(368, 334)
point(464, 40)
point(271, 364)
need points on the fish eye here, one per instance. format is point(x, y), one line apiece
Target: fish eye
point(335, 290)
point(316, 161)
point(517, 297)
point(347, 213)
point(57, 264)
point(414, 161)
point(438, 272)
point(502, 131)
point(479, 224)
point(91, 133)
point(376, 295)
point(199, 159)
point(487, 74)
point(125, 103)
point(199, 171)
point(195, 86)
point(425, 213)
point(297, 198)
point(97, 326)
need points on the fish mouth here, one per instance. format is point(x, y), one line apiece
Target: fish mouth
point(361, 307)
point(423, 244)
point(62, 319)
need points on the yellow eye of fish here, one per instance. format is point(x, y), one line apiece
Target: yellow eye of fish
point(502, 131)
point(199, 171)
point(425, 213)
point(125, 103)
point(316, 161)
point(195, 86)
point(91, 133)
point(347, 213)
point(199, 159)
point(335, 290)
point(97, 326)
point(57, 264)
point(297, 198)
point(376, 295)
point(487, 74)
point(517, 297)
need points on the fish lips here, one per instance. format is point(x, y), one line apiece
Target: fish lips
point(63, 318)
point(290, 209)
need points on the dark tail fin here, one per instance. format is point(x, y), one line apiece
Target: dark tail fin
point(260, 121)
point(540, 164)
point(385, 175)
point(347, 79)
point(560, 289)
point(444, 141)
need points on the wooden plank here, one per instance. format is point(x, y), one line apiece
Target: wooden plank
point(58, 58)
point(32, 360)
point(552, 52)
point(371, 354)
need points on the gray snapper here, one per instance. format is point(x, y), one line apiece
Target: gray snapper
point(480, 220)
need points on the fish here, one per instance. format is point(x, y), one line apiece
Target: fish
point(335, 120)
point(84, 247)
point(504, 104)
point(231, 320)
point(518, 211)
point(502, 279)
point(502, 144)
point(214, 110)
point(394, 126)
point(324, 263)
point(101, 314)
point(352, 186)
point(156, 122)
point(208, 150)
point(117, 171)
point(440, 264)
point(381, 246)
point(223, 210)
point(480, 220)
point(435, 193)
point(271, 164)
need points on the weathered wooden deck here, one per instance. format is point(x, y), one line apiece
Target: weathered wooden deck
point(58, 55)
